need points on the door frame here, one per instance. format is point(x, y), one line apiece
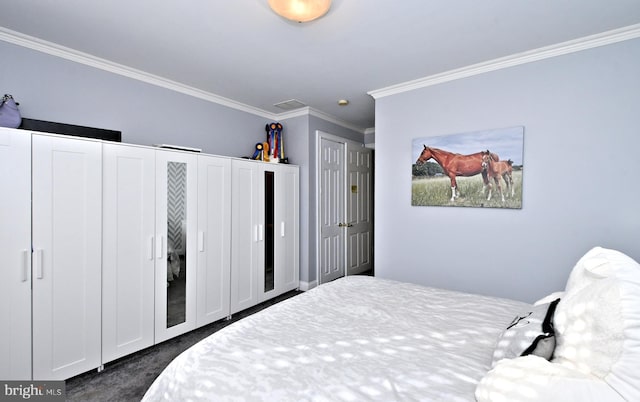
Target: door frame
point(344, 141)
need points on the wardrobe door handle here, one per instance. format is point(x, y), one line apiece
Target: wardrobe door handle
point(282, 229)
point(260, 233)
point(25, 266)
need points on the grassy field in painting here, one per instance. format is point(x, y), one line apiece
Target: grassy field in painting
point(436, 191)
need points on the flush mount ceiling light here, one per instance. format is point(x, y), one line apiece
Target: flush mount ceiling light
point(300, 10)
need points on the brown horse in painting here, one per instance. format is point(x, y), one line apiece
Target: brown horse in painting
point(505, 169)
point(456, 165)
point(496, 169)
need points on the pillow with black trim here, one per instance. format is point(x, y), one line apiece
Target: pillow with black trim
point(530, 333)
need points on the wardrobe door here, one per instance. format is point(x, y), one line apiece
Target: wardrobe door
point(246, 235)
point(287, 258)
point(15, 249)
point(267, 268)
point(175, 243)
point(67, 212)
point(127, 255)
point(213, 242)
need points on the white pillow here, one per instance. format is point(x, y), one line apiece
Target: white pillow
point(607, 263)
point(599, 263)
point(532, 378)
point(579, 276)
point(590, 328)
point(597, 322)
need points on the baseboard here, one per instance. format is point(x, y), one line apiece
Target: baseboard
point(304, 286)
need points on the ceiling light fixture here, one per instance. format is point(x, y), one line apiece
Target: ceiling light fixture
point(343, 102)
point(300, 10)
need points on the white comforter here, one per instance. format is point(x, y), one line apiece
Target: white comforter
point(357, 338)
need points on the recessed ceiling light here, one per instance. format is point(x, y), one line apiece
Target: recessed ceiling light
point(343, 102)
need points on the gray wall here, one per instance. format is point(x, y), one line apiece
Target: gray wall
point(54, 89)
point(581, 117)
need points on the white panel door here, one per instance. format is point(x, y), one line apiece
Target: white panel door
point(214, 238)
point(67, 216)
point(287, 257)
point(15, 249)
point(175, 243)
point(128, 241)
point(332, 236)
point(246, 234)
point(359, 212)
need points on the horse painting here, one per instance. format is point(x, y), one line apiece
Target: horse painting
point(456, 165)
point(496, 169)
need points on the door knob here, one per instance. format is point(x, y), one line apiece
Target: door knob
point(345, 225)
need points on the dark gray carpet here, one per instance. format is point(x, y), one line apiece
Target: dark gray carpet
point(128, 378)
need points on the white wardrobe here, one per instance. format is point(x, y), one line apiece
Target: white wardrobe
point(52, 303)
point(166, 245)
point(110, 248)
point(264, 245)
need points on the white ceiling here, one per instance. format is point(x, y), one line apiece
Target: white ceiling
point(241, 50)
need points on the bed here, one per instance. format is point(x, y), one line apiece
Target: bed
point(365, 338)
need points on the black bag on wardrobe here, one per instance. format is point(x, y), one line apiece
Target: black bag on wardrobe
point(9, 113)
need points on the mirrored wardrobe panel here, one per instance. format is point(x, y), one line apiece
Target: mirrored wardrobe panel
point(176, 213)
point(176, 242)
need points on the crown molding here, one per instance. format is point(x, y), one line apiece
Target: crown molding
point(53, 49)
point(602, 39)
point(309, 111)
point(572, 46)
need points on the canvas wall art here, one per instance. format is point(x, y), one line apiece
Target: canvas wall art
point(475, 169)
